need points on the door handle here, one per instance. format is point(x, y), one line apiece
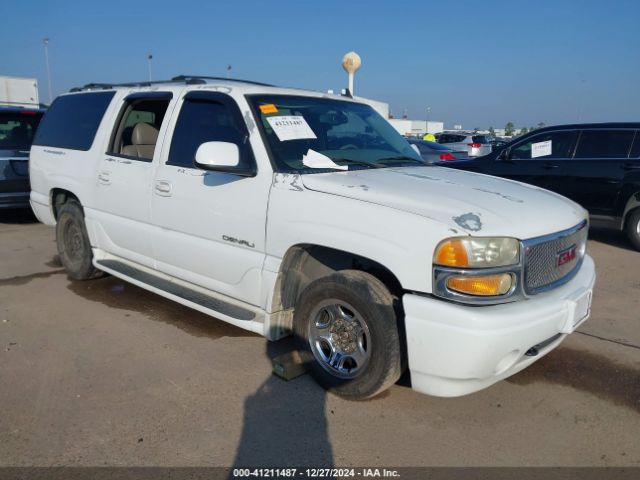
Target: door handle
point(631, 166)
point(103, 177)
point(549, 166)
point(163, 188)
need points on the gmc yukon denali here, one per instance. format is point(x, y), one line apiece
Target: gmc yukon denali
point(291, 212)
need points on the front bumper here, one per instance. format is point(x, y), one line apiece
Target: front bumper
point(457, 349)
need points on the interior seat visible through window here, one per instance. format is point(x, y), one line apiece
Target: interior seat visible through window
point(143, 141)
point(136, 132)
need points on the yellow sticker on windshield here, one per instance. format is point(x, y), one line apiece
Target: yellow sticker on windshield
point(268, 108)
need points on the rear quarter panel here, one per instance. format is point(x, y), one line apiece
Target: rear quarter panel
point(67, 169)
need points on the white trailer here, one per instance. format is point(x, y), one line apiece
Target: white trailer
point(19, 91)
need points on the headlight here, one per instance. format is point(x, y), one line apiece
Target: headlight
point(477, 252)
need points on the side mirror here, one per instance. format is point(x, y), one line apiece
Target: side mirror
point(217, 155)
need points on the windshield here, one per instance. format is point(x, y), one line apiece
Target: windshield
point(329, 134)
point(17, 129)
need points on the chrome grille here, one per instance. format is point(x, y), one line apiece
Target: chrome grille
point(548, 260)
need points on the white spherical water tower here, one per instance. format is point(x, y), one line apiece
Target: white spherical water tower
point(351, 63)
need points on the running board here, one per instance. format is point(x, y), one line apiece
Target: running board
point(187, 294)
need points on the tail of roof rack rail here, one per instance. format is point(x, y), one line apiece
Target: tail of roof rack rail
point(187, 79)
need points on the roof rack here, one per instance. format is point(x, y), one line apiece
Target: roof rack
point(187, 79)
point(199, 79)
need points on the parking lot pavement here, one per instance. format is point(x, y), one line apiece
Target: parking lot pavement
point(104, 373)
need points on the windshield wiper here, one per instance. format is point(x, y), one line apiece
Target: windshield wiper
point(399, 158)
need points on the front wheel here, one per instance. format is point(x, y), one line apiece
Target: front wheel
point(346, 330)
point(633, 228)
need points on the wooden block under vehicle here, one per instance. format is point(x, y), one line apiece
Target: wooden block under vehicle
point(288, 365)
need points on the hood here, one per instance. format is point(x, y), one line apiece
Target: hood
point(469, 203)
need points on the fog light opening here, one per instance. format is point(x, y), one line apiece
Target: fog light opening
point(507, 362)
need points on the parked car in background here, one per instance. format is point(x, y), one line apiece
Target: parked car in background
point(472, 145)
point(596, 165)
point(17, 129)
point(432, 152)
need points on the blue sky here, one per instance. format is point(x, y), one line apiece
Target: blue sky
point(477, 63)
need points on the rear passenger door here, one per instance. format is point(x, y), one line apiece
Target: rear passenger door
point(125, 174)
point(539, 160)
point(210, 225)
point(596, 173)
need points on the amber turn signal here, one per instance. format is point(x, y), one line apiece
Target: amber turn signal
point(452, 253)
point(485, 285)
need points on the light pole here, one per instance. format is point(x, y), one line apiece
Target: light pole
point(149, 58)
point(45, 41)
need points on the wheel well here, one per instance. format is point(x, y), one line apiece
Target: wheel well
point(58, 198)
point(305, 263)
point(632, 204)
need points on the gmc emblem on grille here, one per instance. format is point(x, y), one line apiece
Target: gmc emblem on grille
point(565, 256)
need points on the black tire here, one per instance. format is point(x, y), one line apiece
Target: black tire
point(633, 228)
point(365, 299)
point(73, 243)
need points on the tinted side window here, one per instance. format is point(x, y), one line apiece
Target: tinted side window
point(202, 121)
point(561, 146)
point(451, 138)
point(72, 120)
point(604, 143)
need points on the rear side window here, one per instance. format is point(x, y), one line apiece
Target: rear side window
point(136, 132)
point(72, 120)
point(604, 143)
point(451, 138)
point(17, 129)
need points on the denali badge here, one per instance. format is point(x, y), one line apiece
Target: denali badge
point(227, 238)
point(566, 255)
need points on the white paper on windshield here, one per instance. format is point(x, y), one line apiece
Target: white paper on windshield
point(291, 127)
point(541, 149)
point(315, 159)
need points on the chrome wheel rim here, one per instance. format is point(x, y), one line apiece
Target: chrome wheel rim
point(339, 338)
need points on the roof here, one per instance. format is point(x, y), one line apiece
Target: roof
point(570, 126)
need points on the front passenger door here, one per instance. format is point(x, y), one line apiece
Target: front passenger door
point(210, 225)
point(539, 160)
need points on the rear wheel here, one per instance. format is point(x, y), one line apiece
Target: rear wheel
point(633, 228)
point(73, 243)
point(346, 331)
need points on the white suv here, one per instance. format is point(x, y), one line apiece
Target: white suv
point(285, 211)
